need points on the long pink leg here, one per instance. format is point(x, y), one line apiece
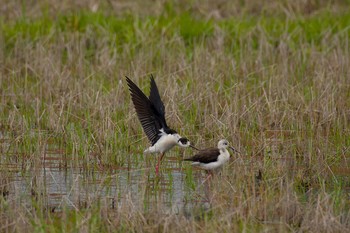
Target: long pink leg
point(158, 164)
point(210, 175)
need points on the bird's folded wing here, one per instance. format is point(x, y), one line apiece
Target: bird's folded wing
point(205, 156)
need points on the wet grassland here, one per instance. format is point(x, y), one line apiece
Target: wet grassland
point(275, 83)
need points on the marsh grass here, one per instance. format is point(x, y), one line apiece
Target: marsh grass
point(272, 78)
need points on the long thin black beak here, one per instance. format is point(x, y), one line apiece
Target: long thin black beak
point(234, 150)
point(194, 147)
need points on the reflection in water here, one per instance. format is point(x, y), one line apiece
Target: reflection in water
point(54, 183)
point(59, 187)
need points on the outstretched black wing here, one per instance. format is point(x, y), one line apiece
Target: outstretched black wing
point(208, 155)
point(150, 118)
point(155, 99)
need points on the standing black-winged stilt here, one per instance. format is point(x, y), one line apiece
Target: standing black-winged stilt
point(212, 158)
point(151, 113)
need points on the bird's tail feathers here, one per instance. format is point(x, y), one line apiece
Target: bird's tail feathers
point(150, 150)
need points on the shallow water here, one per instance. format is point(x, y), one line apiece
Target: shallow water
point(58, 184)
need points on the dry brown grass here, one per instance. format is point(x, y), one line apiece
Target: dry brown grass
point(216, 9)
